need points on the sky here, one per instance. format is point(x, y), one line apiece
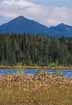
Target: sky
point(47, 12)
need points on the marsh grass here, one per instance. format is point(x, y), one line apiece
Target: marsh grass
point(41, 89)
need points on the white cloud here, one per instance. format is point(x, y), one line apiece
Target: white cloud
point(44, 14)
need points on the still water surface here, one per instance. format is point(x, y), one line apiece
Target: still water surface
point(65, 73)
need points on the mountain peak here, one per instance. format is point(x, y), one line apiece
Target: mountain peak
point(20, 18)
point(21, 24)
point(61, 25)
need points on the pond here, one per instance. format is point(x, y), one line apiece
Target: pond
point(65, 73)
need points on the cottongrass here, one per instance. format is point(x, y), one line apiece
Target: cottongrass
point(41, 89)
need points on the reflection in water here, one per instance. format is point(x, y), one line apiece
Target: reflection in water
point(65, 73)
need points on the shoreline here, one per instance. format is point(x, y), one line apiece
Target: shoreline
point(36, 67)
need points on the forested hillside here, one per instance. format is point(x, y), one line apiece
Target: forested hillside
point(34, 50)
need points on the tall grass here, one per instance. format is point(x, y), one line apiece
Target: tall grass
point(41, 89)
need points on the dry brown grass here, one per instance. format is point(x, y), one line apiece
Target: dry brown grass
point(20, 67)
point(41, 89)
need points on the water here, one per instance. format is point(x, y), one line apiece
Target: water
point(65, 73)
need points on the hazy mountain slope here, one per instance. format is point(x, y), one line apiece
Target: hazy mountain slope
point(21, 25)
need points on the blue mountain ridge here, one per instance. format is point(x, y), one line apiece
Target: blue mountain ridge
point(23, 25)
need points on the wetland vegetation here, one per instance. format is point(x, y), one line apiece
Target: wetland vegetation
point(40, 89)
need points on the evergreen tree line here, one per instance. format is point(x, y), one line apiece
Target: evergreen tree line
point(34, 49)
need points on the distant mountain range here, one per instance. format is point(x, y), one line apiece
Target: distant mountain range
point(22, 24)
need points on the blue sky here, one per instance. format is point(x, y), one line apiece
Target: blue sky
point(47, 12)
point(66, 3)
